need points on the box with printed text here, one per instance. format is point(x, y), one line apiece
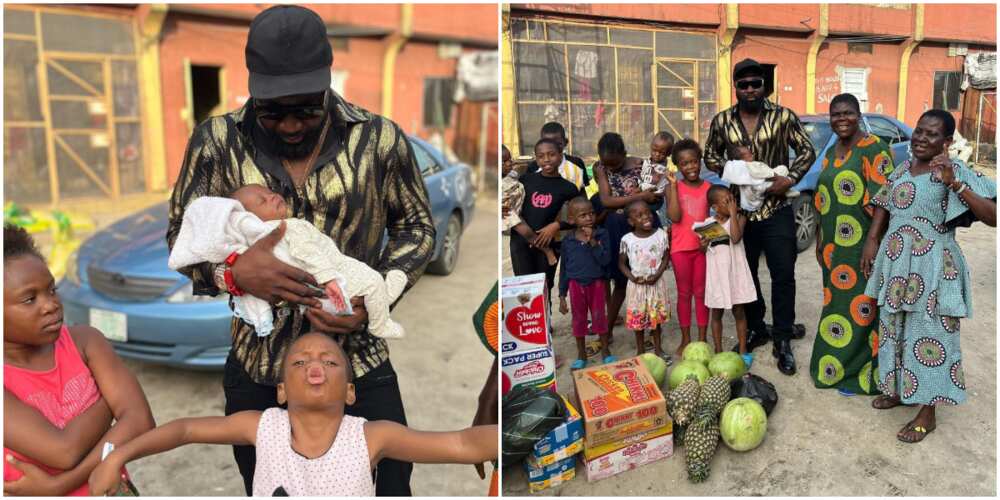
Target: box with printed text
point(525, 313)
point(619, 400)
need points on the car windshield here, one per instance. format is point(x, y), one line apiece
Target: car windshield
point(819, 133)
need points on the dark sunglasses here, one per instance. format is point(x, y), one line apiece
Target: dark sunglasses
point(745, 84)
point(278, 112)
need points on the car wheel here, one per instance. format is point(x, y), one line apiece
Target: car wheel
point(806, 220)
point(446, 261)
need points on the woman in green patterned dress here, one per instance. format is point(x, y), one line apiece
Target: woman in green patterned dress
point(854, 169)
point(919, 276)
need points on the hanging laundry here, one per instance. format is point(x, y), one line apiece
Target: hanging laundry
point(552, 113)
point(586, 64)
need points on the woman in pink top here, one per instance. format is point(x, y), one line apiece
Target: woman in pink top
point(62, 386)
point(687, 204)
point(312, 448)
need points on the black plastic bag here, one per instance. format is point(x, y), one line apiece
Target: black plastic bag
point(529, 413)
point(754, 387)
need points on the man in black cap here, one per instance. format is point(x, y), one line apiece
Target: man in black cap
point(349, 172)
point(769, 131)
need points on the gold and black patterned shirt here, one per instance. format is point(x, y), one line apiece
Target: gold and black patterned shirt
point(779, 128)
point(365, 181)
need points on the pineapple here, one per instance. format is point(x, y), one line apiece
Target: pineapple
point(679, 432)
point(682, 400)
point(702, 435)
point(714, 394)
point(700, 442)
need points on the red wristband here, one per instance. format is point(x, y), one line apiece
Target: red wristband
point(228, 275)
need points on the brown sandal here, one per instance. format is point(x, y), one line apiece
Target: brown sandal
point(921, 433)
point(884, 402)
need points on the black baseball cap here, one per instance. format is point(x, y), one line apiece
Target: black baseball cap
point(288, 53)
point(747, 67)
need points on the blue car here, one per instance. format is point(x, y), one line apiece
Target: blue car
point(118, 280)
point(890, 130)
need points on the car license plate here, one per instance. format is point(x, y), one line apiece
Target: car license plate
point(114, 325)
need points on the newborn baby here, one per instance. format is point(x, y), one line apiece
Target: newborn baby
point(751, 176)
point(214, 227)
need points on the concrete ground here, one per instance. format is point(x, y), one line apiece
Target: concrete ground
point(441, 365)
point(820, 443)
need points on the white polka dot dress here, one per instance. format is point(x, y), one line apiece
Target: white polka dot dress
point(344, 470)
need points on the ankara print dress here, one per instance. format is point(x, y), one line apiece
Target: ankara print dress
point(921, 283)
point(845, 350)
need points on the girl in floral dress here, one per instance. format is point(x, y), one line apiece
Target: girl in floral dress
point(644, 256)
point(918, 275)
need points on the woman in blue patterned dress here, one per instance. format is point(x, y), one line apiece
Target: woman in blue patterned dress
point(918, 275)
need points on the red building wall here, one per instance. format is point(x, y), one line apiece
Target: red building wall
point(883, 74)
point(963, 22)
point(789, 56)
point(925, 60)
point(216, 41)
point(203, 41)
point(703, 14)
point(792, 17)
point(870, 19)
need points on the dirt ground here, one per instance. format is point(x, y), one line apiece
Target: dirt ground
point(820, 443)
point(441, 366)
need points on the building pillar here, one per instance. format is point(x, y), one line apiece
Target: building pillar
point(724, 66)
point(904, 63)
point(819, 36)
point(150, 27)
point(511, 130)
point(399, 39)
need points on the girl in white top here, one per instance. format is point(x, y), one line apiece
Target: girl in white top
point(643, 258)
point(312, 448)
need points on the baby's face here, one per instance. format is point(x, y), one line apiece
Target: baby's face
point(744, 153)
point(262, 202)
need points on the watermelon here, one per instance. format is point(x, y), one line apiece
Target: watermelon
point(729, 363)
point(656, 365)
point(698, 351)
point(683, 369)
point(743, 424)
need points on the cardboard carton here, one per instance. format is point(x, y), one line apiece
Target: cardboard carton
point(561, 442)
point(540, 478)
point(525, 313)
point(606, 448)
point(618, 400)
point(535, 367)
point(630, 457)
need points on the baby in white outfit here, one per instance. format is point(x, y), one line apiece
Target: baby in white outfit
point(214, 227)
point(751, 176)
